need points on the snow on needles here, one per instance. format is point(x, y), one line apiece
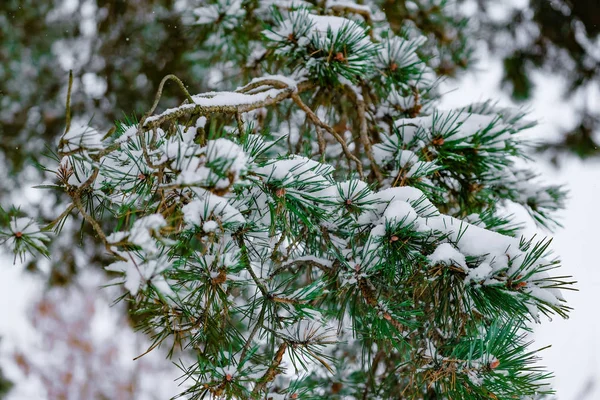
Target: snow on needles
point(208, 206)
point(447, 254)
point(81, 137)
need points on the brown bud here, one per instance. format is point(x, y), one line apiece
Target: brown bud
point(339, 57)
point(219, 279)
point(336, 387)
point(438, 141)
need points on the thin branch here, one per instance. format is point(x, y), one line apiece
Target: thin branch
point(367, 290)
point(248, 266)
point(301, 263)
point(363, 130)
point(63, 215)
point(321, 142)
point(240, 123)
point(68, 110)
point(96, 226)
point(258, 324)
point(315, 120)
point(272, 372)
point(158, 95)
point(262, 82)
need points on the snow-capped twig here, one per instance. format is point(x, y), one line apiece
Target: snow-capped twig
point(229, 102)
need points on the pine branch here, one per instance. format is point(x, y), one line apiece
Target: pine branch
point(272, 372)
point(315, 120)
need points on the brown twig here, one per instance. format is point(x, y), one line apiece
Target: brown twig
point(258, 324)
point(363, 130)
point(301, 263)
point(240, 123)
point(158, 94)
point(367, 291)
point(272, 372)
point(321, 142)
point(258, 83)
point(60, 217)
point(316, 121)
point(96, 226)
point(68, 109)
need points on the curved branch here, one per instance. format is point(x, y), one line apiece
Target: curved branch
point(316, 121)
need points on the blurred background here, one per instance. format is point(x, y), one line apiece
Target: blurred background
point(61, 337)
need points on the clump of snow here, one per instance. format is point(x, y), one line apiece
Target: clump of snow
point(447, 254)
point(201, 122)
point(479, 274)
point(341, 4)
point(232, 154)
point(130, 132)
point(210, 226)
point(219, 164)
point(296, 169)
point(141, 232)
point(208, 206)
point(228, 99)
point(81, 137)
point(400, 212)
point(139, 272)
point(322, 23)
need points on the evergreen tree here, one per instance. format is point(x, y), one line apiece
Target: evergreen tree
point(316, 227)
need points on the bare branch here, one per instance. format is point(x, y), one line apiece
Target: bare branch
point(273, 370)
point(315, 120)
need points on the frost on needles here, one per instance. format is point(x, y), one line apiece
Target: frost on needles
point(320, 230)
